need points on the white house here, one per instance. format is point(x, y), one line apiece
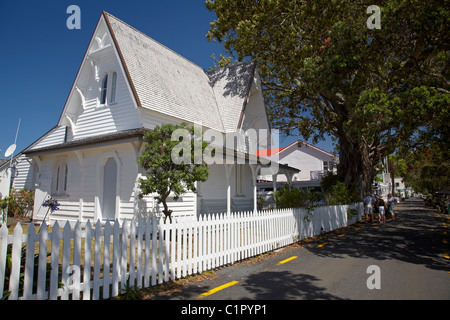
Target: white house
point(312, 162)
point(5, 178)
point(128, 83)
point(23, 174)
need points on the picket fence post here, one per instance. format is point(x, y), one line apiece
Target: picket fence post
point(3, 251)
point(116, 259)
point(76, 261)
point(29, 263)
point(87, 262)
point(107, 232)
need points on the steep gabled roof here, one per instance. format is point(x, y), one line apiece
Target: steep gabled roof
point(165, 82)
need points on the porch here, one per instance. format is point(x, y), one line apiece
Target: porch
point(239, 182)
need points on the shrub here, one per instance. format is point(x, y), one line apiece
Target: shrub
point(336, 192)
point(290, 197)
point(19, 202)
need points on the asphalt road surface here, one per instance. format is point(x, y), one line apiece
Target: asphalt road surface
point(404, 259)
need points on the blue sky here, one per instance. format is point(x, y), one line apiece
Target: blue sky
point(40, 56)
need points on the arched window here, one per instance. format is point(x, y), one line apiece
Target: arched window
point(60, 178)
point(113, 88)
point(104, 89)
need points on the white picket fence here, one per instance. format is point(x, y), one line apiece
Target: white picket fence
point(98, 262)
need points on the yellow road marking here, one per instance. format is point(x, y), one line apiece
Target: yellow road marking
point(212, 291)
point(321, 245)
point(446, 255)
point(341, 235)
point(287, 260)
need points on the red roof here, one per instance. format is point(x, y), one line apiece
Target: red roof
point(268, 152)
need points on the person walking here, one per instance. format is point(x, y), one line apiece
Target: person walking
point(391, 205)
point(382, 210)
point(368, 208)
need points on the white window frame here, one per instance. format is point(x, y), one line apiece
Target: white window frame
point(60, 178)
point(113, 88)
point(104, 90)
point(328, 165)
point(110, 92)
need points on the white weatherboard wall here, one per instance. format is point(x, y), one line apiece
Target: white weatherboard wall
point(84, 113)
point(82, 200)
point(211, 193)
point(84, 116)
point(94, 119)
point(144, 253)
point(24, 175)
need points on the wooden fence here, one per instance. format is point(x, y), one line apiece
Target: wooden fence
point(98, 262)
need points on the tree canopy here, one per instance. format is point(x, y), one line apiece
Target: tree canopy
point(326, 73)
point(427, 168)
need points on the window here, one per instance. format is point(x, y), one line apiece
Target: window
point(113, 88)
point(104, 89)
point(60, 178)
point(328, 166)
point(108, 89)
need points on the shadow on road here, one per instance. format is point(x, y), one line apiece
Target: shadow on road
point(414, 237)
point(286, 286)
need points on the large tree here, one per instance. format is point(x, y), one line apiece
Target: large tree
point(325, 72)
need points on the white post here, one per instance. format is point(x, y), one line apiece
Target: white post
point(289, 176)
point(228, 169)
point(255, 168)
point(274, 185)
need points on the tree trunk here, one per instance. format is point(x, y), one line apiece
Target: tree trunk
point(356, 166)
point(167, 212)
point(392, 174)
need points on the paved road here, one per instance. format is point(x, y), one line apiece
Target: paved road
point(410, 255)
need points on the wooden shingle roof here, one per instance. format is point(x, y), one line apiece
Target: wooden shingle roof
point(168, 83)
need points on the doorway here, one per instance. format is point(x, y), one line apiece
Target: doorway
point(109, 190)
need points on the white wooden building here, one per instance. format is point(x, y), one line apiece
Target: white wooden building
point(312, 162)
point(128, 83)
